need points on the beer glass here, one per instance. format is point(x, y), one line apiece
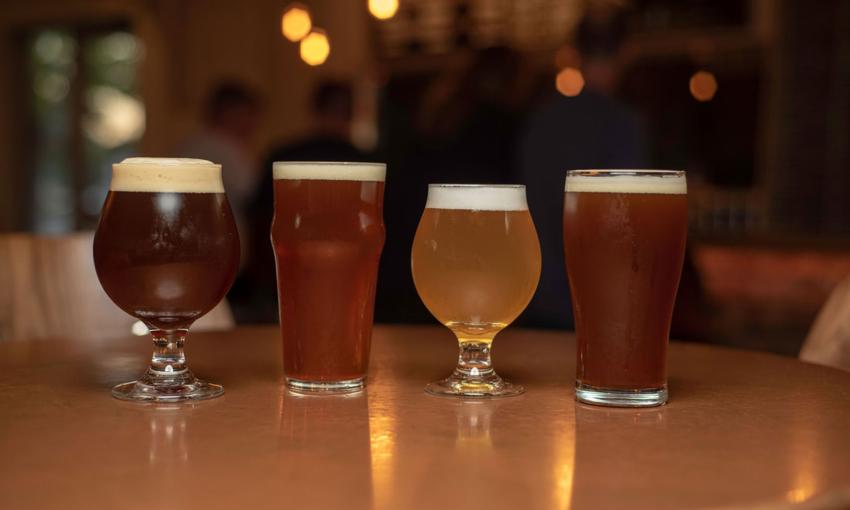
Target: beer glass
point(624, 243)
point(327, 234)
point(476, 263)
point(166, 251)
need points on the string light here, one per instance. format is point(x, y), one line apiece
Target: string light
point(703, 86)
point(383, 9)
point(569, 82)
point(315, 48)
point(295, 23)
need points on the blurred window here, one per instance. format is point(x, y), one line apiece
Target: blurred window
point(87, 113)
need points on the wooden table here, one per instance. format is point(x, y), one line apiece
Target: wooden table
point(741, 428)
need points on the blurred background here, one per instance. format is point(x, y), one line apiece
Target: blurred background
point(751, 97)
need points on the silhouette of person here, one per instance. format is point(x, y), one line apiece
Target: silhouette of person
point(254, 295)
point(231, 118)
point(590, 130)
point(463, 130)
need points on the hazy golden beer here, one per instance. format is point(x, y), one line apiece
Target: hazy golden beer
point(476, 263)
point(473, 272)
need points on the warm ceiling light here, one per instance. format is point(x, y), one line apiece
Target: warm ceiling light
point(703, 86)
point(315, 48)
point(569, 82)
point(383, 9)
point(295, 22)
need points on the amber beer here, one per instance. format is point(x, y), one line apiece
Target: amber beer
point(166, 251)
point(624, 243)
point(327, 234)
point(476, 263)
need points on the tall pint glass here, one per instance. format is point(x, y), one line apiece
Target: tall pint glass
point(624, 243)
point(327, 234)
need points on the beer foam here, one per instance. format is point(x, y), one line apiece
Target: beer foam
point(660, 182)
point(329, 171)
point(162, 175)
point(477, 197)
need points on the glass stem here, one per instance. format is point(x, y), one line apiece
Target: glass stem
point(474, 358)
point(168, 354)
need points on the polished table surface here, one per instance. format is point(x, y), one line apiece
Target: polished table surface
point(741, 428)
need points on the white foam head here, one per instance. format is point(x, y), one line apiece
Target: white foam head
point(477, 197)
point(329, 171)
point(666, 182)
point(661, 182)
point(160, 175)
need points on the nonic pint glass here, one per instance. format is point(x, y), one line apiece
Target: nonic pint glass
point(327, 234)
point(624, 243)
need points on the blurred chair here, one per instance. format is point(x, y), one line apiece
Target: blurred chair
point(49, 288)
point(828, 342)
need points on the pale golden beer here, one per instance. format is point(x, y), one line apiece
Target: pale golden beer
point(476, 263)
point(485, 282)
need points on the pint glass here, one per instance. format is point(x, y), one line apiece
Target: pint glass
point(166, 251)
point(476, 263)
point(624, 243)
point(327, 234)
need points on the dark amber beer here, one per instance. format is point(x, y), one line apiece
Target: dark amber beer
point(327, 234)
point(166, 251)
point(166, 258)
point(624, 243)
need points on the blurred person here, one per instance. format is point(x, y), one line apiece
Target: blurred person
point(591, 130)
point(232, 115)
point(462, 129)
point(254, 296)
point(468, 119)
point(332, 109)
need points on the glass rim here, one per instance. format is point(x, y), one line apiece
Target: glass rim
point(502, 186)
point(330, 163)
point(625, 172)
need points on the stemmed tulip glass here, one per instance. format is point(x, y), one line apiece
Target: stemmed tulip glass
point(166, 251)
point(476, 264)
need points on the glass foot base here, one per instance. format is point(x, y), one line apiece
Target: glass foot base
point(141, 391)
point(620, 398)
point(326, 387)
point(457, 385)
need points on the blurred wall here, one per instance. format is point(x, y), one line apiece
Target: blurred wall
point(808, 151)
point(189, 46)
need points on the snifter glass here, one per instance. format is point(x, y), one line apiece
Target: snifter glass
point(476, 263)
point(166, 251)
point(624, 243)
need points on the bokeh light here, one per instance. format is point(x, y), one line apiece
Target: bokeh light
point(295, 23)
point(703, 86)
point(139, 329)
point(114, 118)
point(383, 9)
point(315, 48)
point(569, 82)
